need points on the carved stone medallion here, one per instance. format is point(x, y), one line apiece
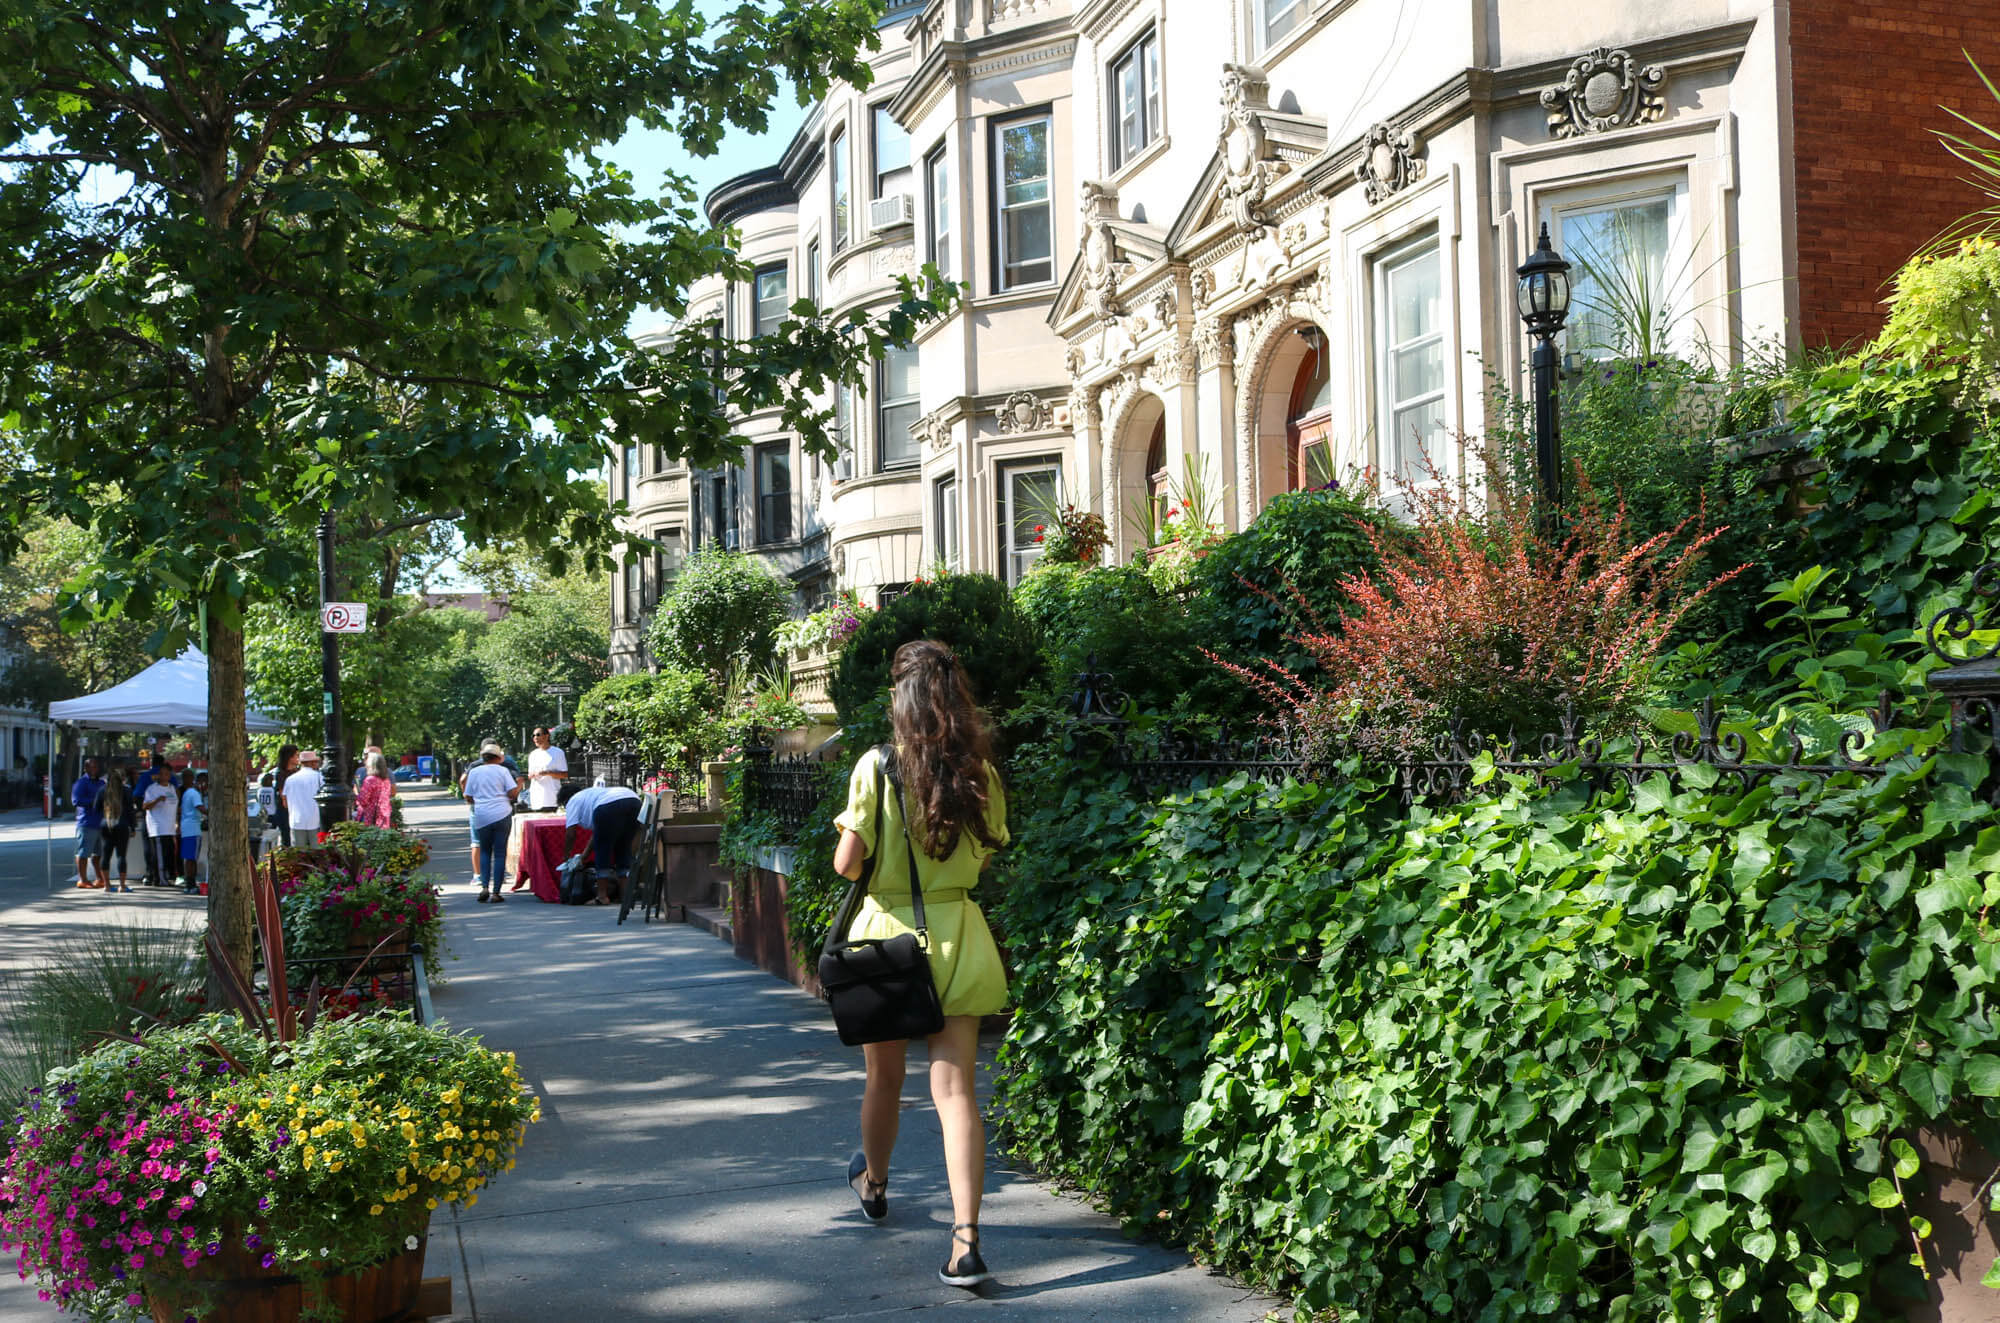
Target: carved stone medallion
point(1248, 168)
point(1606, 89)
point(1024, 411)
point(1391, 160)
point(1102, 272)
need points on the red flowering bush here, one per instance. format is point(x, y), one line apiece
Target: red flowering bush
point(1078, 537)
point(1484, 616)
point(331, 900)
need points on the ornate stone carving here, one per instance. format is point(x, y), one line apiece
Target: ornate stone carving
point(1391, 160)
point(1101, 269)
point(1024, 411)
point(1186, 361)
point(1212, 343)
point(1248, 168)
point(1606, 89)
point(1116, 395)
point(1161, 375)
point(1083, 409)
point(1002, 11)
point(1166, 307)
point(934, 429)
point(1202, 286)
point(895, 260)
point(1073, 359)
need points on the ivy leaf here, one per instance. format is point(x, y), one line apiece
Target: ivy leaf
point(1883, 1194)
point(1785, 1053)
point(1982, 1075)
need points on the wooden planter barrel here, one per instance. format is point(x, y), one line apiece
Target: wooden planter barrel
point(236, 1288)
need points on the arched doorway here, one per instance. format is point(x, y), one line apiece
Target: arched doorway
point(1309, 417)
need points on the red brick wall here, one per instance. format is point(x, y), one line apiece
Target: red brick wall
point(1874, 182)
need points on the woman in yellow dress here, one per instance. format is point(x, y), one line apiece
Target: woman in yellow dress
point(954, 813)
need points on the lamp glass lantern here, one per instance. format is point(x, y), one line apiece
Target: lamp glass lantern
point(1544, 289)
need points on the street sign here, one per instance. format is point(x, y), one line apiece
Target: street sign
point(344, 618)
point(557, 690)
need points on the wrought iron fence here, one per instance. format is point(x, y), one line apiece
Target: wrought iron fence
point(787, 786)
point(684, 786)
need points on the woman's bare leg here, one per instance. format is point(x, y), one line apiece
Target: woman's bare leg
point(954, 1083)
point(882, 1104)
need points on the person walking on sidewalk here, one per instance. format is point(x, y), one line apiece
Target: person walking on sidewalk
point(953, 810)
point(161, 808)
point(115, 808)
point(194, 821)
point(288, 762)
point(491, 790)
point(89, 823)
point(374, 801)
point(301, 796)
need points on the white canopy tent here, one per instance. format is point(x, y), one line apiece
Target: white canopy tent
point(171, 694)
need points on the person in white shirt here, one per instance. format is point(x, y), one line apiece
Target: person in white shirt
point(546, 769)
point(302, 799)
point(491, 791)
point(161, 804)
point(612, 814)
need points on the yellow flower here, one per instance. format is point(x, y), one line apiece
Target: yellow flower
point(374, 1210)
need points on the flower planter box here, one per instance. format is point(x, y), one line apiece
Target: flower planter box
point(237, 1288)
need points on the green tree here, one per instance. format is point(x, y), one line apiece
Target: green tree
point(723, 613)
point(368, 259)
point(49, 661)
point(558, 632)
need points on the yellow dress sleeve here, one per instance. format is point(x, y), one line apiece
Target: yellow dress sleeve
point(862, 812)
point(996, 806)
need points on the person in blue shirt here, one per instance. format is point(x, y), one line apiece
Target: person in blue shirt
point(194, 818)
point(89, 823)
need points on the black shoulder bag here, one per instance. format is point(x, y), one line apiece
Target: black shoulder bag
point(881, 990)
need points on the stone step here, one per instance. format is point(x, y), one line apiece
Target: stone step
point(713, 920)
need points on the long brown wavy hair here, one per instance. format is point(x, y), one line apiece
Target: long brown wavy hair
point(942, 747)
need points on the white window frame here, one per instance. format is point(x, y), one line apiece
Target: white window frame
point(1678, 273)
point(944, 506)
point(1258, 15)
point(1015, 562)
point(840, 189)
point(937, 205)
point(885, 403)
point(1004, 260)
point(761, 323)
point(845, 459)
point(1150, 109)
point(1388, 405)
point(813, 270)
point(760, 453)
point(897, 178)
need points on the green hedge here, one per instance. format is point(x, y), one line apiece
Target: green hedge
point(1533, 1056)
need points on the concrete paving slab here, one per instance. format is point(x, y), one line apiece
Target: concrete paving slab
point(691, 1161)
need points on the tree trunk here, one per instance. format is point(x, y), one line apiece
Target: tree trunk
point(231, 908)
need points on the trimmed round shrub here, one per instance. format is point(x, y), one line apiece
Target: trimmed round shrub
point(1139, 635)
point(666, 718)
point(724, 609)
point(973, 614)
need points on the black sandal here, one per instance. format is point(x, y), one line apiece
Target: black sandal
point(968, 1269)
point(873, 1194)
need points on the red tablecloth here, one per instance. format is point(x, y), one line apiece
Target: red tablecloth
point(542, 852)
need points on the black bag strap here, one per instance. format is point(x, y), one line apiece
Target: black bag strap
point(858, 890)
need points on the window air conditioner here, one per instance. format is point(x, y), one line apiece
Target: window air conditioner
point(886, 213)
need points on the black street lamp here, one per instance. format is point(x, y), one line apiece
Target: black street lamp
point(1543, 297)
point(333, 796)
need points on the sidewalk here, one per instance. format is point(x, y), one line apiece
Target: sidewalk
point(691, 1160)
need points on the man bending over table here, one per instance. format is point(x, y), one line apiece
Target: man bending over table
point(612, 814)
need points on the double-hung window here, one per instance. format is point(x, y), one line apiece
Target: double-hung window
point(774, 492)
point(773, 298)
point(631, 469)
point(937, 205)
point(1410, 361)
point(1135, 98)
point(843, 431)
point(945, 521)
point(1629, 287)
point(1027, 224)
point(812, 272)
point(896, 408)
point(666, 560)
point(1029, 490)
point(892, 155)
point(836, 159)
point(1271, 21)
point(635, 575)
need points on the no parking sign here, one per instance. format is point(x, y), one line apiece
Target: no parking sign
point(344, 618)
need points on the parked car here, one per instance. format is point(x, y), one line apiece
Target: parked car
point(405, 773)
